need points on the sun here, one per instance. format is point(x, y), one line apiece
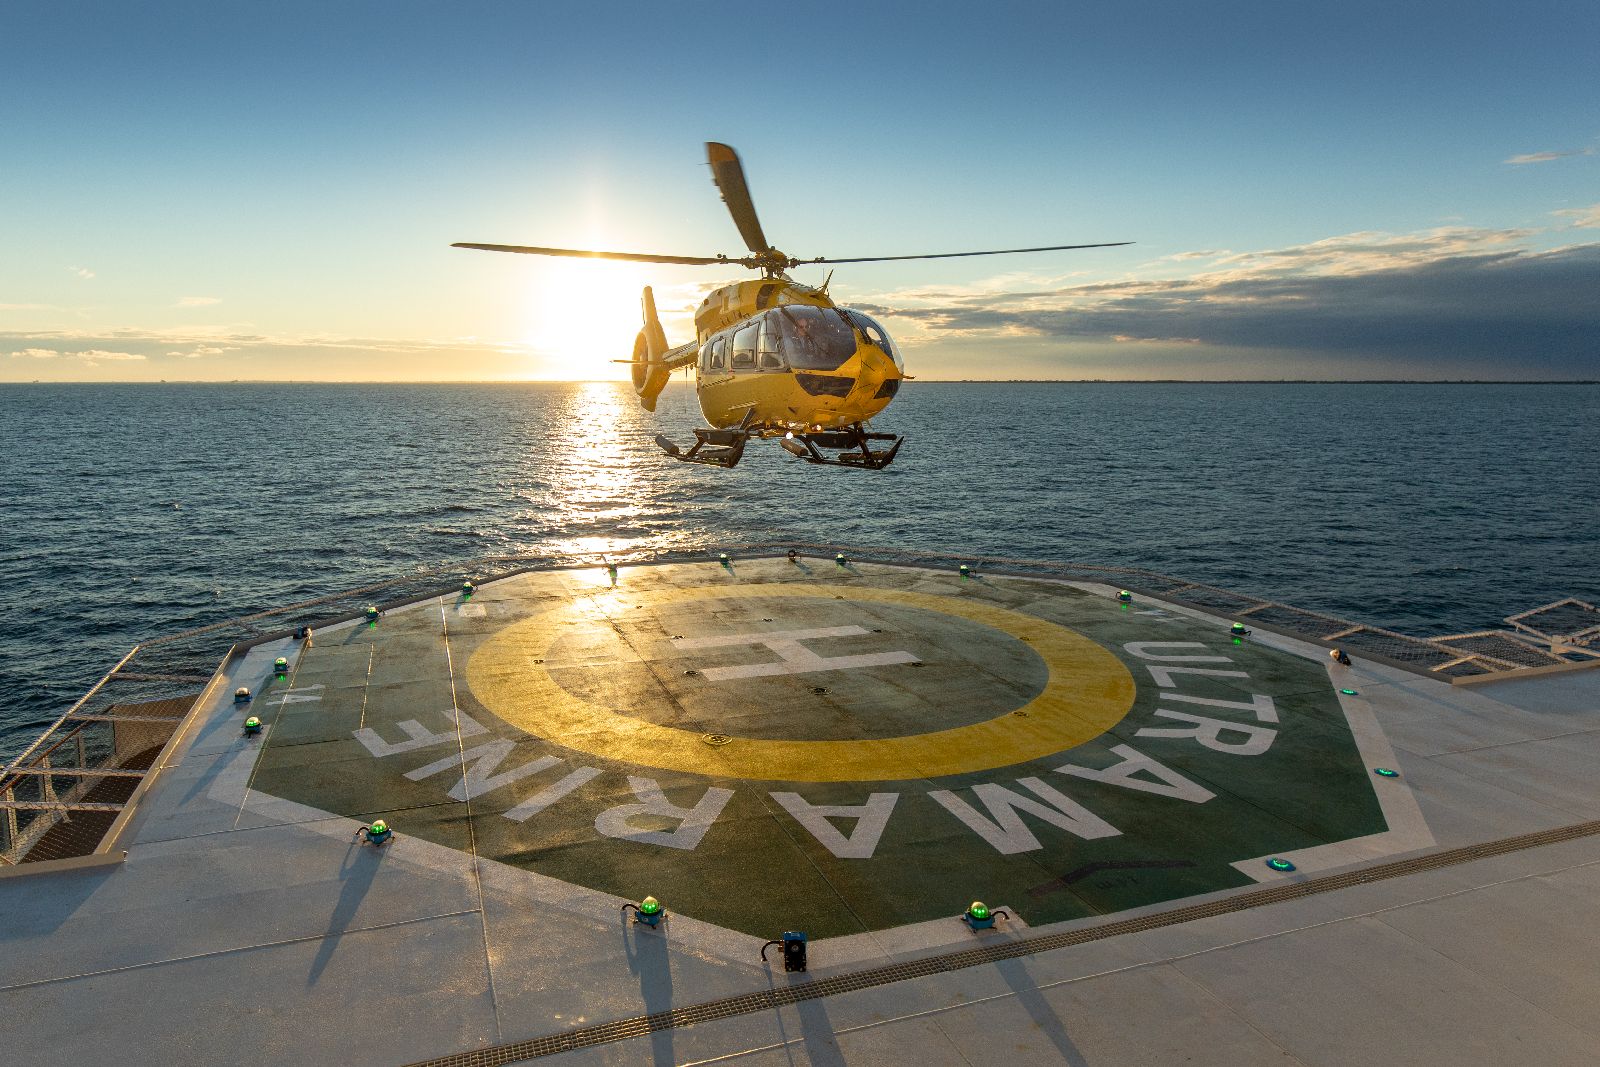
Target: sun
point(583, 313)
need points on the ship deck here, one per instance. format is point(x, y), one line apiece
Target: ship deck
point(1197, 857)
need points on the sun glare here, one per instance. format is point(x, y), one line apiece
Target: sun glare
point(582, 314)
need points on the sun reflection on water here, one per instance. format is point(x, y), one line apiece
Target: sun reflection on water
point(595, 480)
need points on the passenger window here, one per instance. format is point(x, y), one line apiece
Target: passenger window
point(767, 348)
point(744, 348)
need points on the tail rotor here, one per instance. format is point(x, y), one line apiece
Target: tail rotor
point(650, 370)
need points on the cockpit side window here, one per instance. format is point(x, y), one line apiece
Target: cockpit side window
point(769, 348)
point(814, 338)
point(719, 353)
point(744, 348)
point(877, 335)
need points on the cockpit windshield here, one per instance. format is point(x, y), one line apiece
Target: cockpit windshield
point(876, 334)
point(814, 338)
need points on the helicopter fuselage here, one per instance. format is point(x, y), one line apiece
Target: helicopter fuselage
point(779, 356)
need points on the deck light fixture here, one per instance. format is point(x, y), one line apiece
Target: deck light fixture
point(378, 833)
point(980, 916)
point(467, 588)
point(1279, 864)
point(840, 560)
point(1125, 596)
point(241, 695)
point(1238, 630)
point(1386, 772)
point(794, 557)
point(966, 571)
point(793, 943)
point(252, 726)
point(1348, 692)
point(280, 666)
point(647, 912)
point(371, 613)
point(722, 558)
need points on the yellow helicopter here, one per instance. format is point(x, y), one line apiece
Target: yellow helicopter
point(773, 357)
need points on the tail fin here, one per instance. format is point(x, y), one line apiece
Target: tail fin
point(650, 374)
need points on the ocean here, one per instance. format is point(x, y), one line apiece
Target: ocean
point(131, 511)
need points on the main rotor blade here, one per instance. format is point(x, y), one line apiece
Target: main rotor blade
point(728, 176)
point(956, 255)
point(635, 257)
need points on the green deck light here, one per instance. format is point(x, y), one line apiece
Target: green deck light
point(371, 613)
point(979, 916)
point(966, 571)
point(252, 725)
point(722, 557)
point(1278, 864)
point(467, 588)
point(1125, 596)
point(377, 833)
point(280, 665)
point(647, 912)
point(1386, 772)
point(1348, 692)
point(840, 560)
point(1239, 630)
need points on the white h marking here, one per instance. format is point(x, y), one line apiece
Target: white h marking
point(797, 658)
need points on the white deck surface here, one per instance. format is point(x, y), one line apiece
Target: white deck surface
point(245, 929)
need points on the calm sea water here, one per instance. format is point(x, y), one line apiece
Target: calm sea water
point(130, 511)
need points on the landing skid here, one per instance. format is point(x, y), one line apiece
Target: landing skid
point(720, 448)
point(851, 448)
point(834, 448)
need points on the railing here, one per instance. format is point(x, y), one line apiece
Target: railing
point(116, 732)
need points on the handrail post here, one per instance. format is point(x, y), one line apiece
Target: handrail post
point(8, 840)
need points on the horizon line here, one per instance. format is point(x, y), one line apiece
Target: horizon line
point(909, 381)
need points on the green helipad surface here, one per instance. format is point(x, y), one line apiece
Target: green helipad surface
point(777, 746)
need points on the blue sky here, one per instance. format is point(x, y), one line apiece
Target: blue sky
point(269, 191)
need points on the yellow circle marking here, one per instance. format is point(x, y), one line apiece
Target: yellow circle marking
point(1088, 691)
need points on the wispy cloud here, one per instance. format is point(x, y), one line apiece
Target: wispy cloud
point(86, 354)
point(1583, 218)
point(82, 272)
point(197, 301)
point(1546, 157)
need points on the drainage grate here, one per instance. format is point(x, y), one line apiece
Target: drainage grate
point(745, 1004)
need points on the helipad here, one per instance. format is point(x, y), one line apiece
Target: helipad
point(853, 750)
point(836, 748)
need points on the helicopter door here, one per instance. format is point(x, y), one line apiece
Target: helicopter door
point(744, 348)
point(714, 361)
